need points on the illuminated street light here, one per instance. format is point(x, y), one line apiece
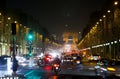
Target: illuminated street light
point(116, 3)
point(108, 11)
point(100, 19)
point(104, 16)
point(20, 24)
point(96, 25)
point(9, 18)
point(15, 21)
point(79, 32)
point(97, 22)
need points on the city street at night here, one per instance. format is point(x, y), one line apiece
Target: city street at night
point(42, 72)
point(45, 72)
point(60, 39)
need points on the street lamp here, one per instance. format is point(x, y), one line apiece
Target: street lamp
point(9, 18)
point(104, 16)
point(116, 3)
point(108, 11)
point(15, 62)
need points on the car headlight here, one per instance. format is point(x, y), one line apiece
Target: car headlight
point(77, 61)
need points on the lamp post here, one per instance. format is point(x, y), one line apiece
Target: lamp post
point(15, 62)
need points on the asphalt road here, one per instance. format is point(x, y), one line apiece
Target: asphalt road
point(45, 72)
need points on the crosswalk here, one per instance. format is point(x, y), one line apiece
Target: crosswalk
point(3, 73)
point(10, 77)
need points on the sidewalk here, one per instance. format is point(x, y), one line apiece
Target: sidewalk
point(5, 74)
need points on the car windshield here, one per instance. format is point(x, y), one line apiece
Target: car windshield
point(59, 39)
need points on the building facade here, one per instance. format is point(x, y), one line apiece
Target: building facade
point(103, 38)
point(6, 37)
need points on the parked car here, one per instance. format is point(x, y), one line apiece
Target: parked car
point(3, 61)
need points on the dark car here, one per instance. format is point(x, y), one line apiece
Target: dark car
point(106, 62)
point(78, 60)
point(108, 66)
point(3, 59)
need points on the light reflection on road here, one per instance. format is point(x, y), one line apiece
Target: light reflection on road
point(47, 68)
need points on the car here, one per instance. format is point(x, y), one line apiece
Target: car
point(107, 66)
point(3, 61)
point(77, 60)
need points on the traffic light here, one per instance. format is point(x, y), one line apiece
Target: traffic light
point(30, 36)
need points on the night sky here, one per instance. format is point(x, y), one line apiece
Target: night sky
point(59, 15)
